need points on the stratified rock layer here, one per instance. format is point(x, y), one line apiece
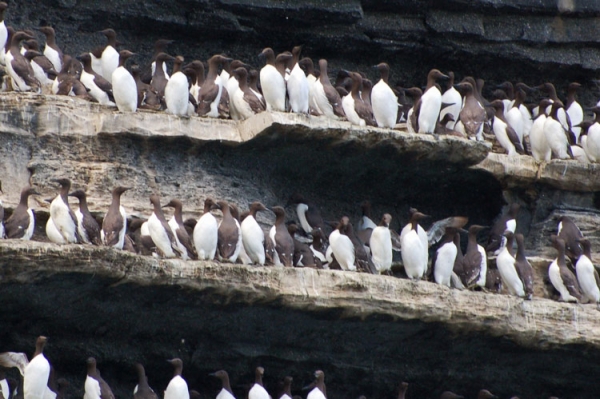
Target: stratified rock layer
point(371, 330)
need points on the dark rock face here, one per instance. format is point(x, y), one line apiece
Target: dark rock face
point(497, 40)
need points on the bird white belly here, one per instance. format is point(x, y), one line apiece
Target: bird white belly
point(177, 94)
point(343, 249)
point(555, 135)
point(273, 87)
point(298, 90)
point(385, 105)
point(253, 239)
point(381, 248)
point(92, 388)
point(54, 57)
point(35, 378)
point(483, 269)
point(431, 102)
point(124, 90)
point(540, 149)
point(242, 108)
point(110, 62)
point(60, 214)
point(177, 389)
point(53, 234)
point(506, 266)
point(499, 128)
point(206, 236)
point(442, 271)
point(587, 279)
point(515, 120)
point(413, 255)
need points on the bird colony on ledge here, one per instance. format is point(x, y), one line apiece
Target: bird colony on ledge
point(313, 242)
point(230, 88)
point(38, 382)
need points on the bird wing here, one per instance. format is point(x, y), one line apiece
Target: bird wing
point(437, 229)
point(255, 104)
point(15, 226)
point(92, 228)
point(514, 139)
point(186, 241)
point(14, 359)
point(570, 282)
point(597, 278)
point(471, 267)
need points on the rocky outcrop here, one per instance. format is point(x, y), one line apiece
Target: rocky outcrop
point(124, 308)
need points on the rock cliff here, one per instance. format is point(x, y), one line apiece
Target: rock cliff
point(371, 330)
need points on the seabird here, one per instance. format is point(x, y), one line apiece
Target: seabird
point(591, 140)
point(472, 115)
point(253, 237)
point(272, 83)
point(570, 234)
point(563, 279)
point(95, 386)
point(243, 99)
point(357, 111)
point(308, 214)
point(342, 247)
point(415, 251)
point(524, 269)
point(309, 69)
point(211, 91)
point(99, 88)
point(297, 85)
point(198, 68)
point(303, 255)
point(161, 232)
point(557, 136)
point(43, 70)
point(284, 243)
point(35, 373)
point(384, 101)
point(402, 390)
point(445, 257)
point(327, 98)
point(508, 222)
point(587, 275)
point(19, 69)
point(159, 80)
point(380, 244)
point(63, 217)
point(318, 392)
point(52, 51)
point(22, 222)
point(574, 110)
point(184, 241)
point(160, 46)
point(225, 392)
point(258, 391)
point(110, 58)
point(453, 97)
point(87, 226)
point(124, 87)
point(431, 103)
point(115, 221)
point(177, 90)
point(505, 134)
point(540, 149)
point(361, 257)
point(287, 388)
point(142, 389)
point(474, 261)
point(229, 232)
point(206, 232)
point(177, 388)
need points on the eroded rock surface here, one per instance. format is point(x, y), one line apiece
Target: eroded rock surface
point(371, 330)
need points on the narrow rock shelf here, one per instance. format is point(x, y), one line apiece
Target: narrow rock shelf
point(539, 323)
